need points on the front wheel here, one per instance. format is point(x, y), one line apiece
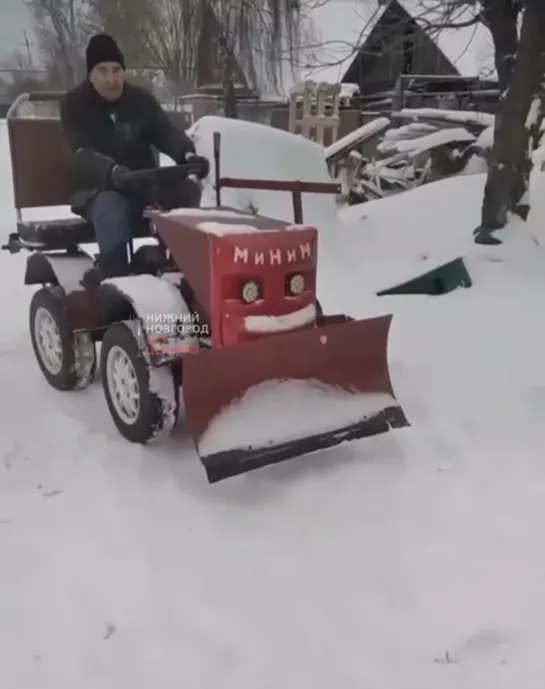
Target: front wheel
point(143, 401)
point(67, 360)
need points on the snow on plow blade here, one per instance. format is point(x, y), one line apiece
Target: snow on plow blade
point(272, 399)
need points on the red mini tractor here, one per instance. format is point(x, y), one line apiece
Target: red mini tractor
point(222, 306)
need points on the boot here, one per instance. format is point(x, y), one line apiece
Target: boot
point(114, 264)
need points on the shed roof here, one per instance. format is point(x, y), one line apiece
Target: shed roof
point(335, 29)
point(468, 48)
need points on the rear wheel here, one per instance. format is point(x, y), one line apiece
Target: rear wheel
point(67, 360)
point(143, 401)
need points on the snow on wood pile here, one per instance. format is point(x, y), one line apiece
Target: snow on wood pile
point(355, 138)
point(409, 131)
point(470, 117)
point(411, 155)
point(422, 144)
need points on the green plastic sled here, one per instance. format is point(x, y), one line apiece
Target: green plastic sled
point(440, 280)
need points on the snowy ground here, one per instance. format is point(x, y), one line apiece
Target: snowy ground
point(406, 561)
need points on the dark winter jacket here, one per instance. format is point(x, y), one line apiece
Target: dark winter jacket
point(125, 132)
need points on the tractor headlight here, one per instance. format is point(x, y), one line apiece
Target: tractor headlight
point(296, 284)
point(250, 292)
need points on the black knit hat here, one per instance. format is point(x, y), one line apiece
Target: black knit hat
point(103, 48)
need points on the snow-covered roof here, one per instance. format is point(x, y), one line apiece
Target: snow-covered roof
point(333, 30)
point(468, 48)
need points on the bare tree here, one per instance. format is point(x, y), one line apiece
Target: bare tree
point(128, 22)
point(519, 54)
point(157, 35)
point(173, 34)
point(62, 28)
point(500, 17)
point(258, 37)
point(263, 38)
point(395, 36)
point(19, 74)
point(17, 61)
point(520, 67)
point(518, 120)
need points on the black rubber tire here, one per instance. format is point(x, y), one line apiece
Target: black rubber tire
point(156, 417)
point(70, 376)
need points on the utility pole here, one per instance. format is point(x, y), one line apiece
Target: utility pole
point(73, 42)
point(29, 52)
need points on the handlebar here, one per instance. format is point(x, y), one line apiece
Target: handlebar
point(165, 173)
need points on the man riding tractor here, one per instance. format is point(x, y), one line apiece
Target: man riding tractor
point(112, 128)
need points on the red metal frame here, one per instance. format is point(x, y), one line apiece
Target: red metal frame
point(296, 187)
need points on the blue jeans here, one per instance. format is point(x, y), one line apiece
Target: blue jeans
point(117, 218)
point(112, 215)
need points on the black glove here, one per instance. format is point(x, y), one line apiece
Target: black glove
point(202, 163)
point(137, 182)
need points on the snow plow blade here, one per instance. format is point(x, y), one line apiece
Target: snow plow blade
point(262, 402)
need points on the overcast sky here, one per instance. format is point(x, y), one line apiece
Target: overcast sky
point(14, 21)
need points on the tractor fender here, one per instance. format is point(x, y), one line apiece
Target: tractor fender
point(158, 305)
point(64, 270)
